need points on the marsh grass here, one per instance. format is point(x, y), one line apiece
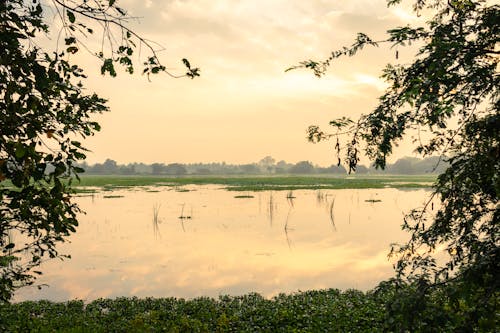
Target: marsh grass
point(156, 220)
point(373, 200)
point(271, 208)
point(286, 228)
point(332, 217)
point(185, 217)
point(244, 196)
point(84, 190)
point(290, 197)
point(264, 183)
point(320, 197)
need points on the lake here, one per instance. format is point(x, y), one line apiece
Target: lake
point(193, 241)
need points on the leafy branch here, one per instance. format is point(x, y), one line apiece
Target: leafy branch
point(109, 15)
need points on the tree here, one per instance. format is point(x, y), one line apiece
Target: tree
point(267, 164)
point(249, 169)
point(452, 80)
point(282, 167)
point(302, 167)
point(403, 166)
point(175, 169)
point(333, 169)
point(157, 168)
point(43, 110)
point(128, 169)
point(110, 167)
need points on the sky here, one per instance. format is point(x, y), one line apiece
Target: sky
point(244, 106)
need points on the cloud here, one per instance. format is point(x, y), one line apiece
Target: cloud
point(243, 48)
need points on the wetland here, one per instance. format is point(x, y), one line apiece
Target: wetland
point(193, 237)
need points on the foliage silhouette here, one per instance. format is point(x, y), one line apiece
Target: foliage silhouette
point(453, 79)
point(44, 109)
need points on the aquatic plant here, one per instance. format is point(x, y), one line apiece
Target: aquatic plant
point(244, 196)
point(156, 220)
point(332, 219)
point(271, 207)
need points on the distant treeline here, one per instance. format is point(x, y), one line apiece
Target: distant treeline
point(266, 166)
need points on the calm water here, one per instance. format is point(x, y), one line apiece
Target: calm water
point(266, 244)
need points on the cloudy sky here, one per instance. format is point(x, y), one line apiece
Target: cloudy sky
point(244, 106)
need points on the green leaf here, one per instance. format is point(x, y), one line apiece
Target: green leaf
point(71, 16)
point(20, 150)
point(121, 11)
point(109, 67)
point(72, 49)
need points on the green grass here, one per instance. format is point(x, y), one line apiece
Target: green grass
point(252, 183)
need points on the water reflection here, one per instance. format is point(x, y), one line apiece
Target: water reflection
point(203, 241)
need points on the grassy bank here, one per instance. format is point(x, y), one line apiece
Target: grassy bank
point(255, 183)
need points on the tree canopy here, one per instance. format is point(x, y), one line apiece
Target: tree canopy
point(44, 111)
point(450, 91)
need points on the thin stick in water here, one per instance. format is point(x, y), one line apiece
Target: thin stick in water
point(332, 218)
point(156, 220)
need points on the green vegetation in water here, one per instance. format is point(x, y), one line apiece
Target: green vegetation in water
point(185, 217)
point(84, 190)
point(156, 219)
point(326, 310)
point(247, 183)
point(84, 195)
point(329, 310)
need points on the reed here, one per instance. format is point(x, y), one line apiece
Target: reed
point(185, 217)
point(332, 217)
point(271, 208)
point(156, 220)
point(320, 197)
point(290, 197)
point(287, 218)
point(244, 196)
point(286, 228)
point(288, 241)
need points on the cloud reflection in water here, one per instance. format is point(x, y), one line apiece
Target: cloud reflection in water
point(228, 246)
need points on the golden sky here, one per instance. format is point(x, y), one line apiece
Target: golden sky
point(244, 106)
